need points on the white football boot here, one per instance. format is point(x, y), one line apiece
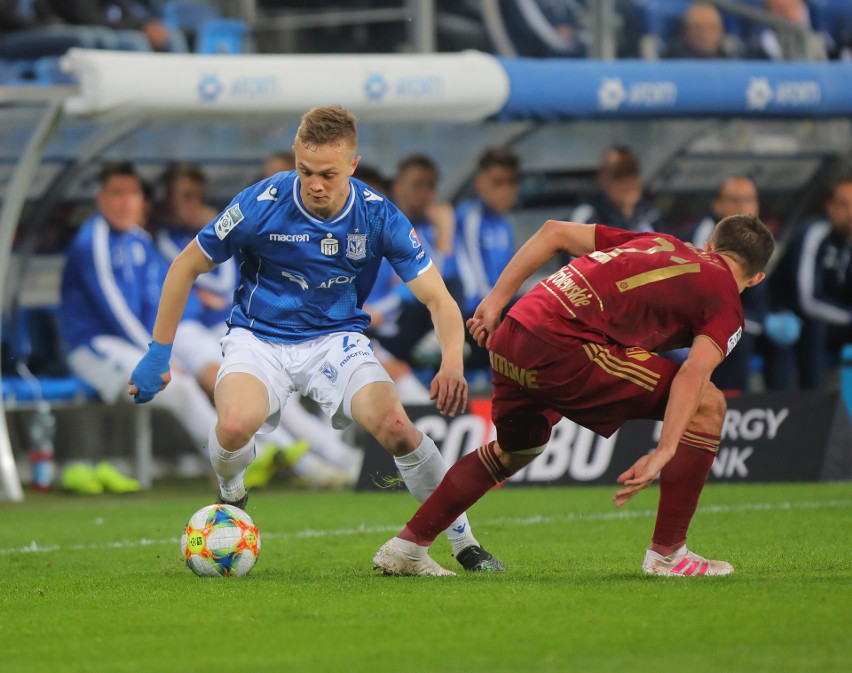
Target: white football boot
point(683, 563)
point(400, 557)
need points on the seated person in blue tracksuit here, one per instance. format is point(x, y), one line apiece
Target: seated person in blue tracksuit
point(414, 189)
point(485, 240)
point(110, 292)
point(814, 279)
point(183, 214)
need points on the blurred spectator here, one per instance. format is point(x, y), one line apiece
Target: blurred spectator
point(25, 14)
point(278, 162)
point(142, 15)
point(384, 306)
point(181, 216)
point(414, 189)
point(702, 34)
point(620, 201)
point(110, 293)
point(485, 240)
point(738, 194)
point(767, 44)
point(814, 279)
point(546, 28)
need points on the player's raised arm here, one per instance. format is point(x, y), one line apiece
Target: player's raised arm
point(449, 387)
point(152, 373)
point(555, 236)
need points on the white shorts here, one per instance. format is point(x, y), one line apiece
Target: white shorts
point(329, 369)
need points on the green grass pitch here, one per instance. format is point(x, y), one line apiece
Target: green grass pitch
point(98, 584)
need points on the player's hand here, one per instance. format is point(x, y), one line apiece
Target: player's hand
point(449, 390)
point(484, 322)
point(640, 474)
point(152, 374)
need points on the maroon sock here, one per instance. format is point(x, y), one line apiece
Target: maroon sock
point(681, 482)
point(465, 483)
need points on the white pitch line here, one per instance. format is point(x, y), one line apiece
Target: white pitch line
point(35, 548)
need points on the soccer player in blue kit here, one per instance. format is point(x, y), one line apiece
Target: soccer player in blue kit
point(309, 244)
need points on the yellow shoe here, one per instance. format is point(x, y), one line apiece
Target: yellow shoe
point(273, 459)
point(113, 480)
point(80, 478)
point(294, 451)
point(264, 467)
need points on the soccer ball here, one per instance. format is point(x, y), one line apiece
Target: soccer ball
point(220, 540)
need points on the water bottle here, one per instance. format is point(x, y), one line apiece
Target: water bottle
point(42, 431)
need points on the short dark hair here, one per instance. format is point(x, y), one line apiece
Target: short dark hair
point(619, 161)
point(498, 156)
point(371, 176)
point(747, 240)
point(182, 169)
point(417, 161)
point(113, 168)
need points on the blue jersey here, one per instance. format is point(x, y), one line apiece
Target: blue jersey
point(221, 281)
point(111, 284)
point(486, 242)
point(302, 276)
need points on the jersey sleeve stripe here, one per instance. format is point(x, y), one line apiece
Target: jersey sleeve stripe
point(201, 247)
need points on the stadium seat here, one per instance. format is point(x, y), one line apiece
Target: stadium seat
point(47, 71)
point(187, 15)
point(222, 36)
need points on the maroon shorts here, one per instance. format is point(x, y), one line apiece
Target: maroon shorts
point(596, 386)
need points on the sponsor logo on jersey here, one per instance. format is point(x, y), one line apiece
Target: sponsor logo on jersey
point(329, 371)
point(290, 238)
point(371, 196)
point(636, 353)
point(329, 245)
point(336, 280)
point(420, 255)
point(565, 282)
point(415, 240)
point(734, 340)
point(230, 219)
point(356, 246)
point(296, 278)
point(271, 194)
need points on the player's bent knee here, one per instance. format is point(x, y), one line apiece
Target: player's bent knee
point(235, 428)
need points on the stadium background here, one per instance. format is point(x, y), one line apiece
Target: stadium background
point(784, 123)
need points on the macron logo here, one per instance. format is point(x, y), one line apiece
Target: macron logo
point(290, 238)
point(271, 194)
point(370, 196)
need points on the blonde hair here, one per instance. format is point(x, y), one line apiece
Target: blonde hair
point(328, 125)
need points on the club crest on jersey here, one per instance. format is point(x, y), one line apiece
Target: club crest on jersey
point(329, 371)
point(230, 219)
point(356, 246)
point(329, 245)
point(734, 340)
point(414, 238)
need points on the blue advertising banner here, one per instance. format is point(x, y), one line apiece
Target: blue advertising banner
point(575, 89)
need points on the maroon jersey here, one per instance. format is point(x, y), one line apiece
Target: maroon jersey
point(637, 289)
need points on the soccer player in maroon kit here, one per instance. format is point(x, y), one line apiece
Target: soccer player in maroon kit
point(582, 344)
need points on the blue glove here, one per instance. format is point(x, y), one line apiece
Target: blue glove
point(148, 375)
point(783, 328)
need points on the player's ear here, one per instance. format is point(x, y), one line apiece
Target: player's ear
point(755, 279)
point(354, 165)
